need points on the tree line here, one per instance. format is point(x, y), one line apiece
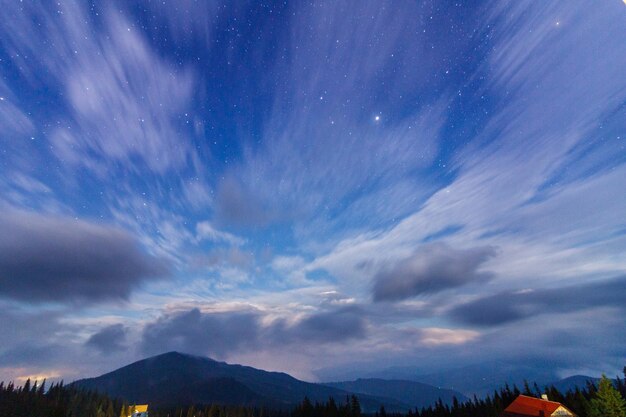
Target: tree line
point(604, 400)
point(35, 400)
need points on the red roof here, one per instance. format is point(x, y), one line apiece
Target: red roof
point(531, 406)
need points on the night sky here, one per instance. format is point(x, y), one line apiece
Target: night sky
point(299, 186)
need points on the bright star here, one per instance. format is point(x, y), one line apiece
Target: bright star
point(377, 118)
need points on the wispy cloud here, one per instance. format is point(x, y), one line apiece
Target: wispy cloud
point(126, 104)
point(205, 230)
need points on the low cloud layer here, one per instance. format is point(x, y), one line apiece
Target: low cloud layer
point(48, 258)
point(196, 332)
point(431, 269)
point(325, 327)
point(225, 333)
point(511, 306)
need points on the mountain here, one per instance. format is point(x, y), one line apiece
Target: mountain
point(178, 379)
point(570, 383)
point(413, 393)
point(480, 379)
point(483, 379)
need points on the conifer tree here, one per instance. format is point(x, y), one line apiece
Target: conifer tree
point(124, 410)
point(608, 402)
point(355, 406)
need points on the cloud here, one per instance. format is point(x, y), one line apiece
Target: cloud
point(206, 231)
point(59, 259)
point(124, 100)
point(186, 20)
point(110, 339)
point(238, 205)
point(15, 123)
point(512, 306)
point(339, 325)
point(506, 184)
point(31, 353)
point(314, 164)
point(322, 161)
point(21, 325)
point(215, 333)
point(129, 101)
point(226, 333)
point(433, 268)
point(219, 258)
point(436, 336)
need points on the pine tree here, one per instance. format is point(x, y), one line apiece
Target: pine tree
point(26, 387)
point(214, 411)
point(355, 406)
point(124, 410)
point(110, 412)
point(608, 402)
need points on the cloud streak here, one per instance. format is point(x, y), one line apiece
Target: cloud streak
point(125, 102)
point(513, 306)
point(205, 230)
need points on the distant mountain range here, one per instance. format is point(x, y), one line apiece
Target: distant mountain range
point(483, 379)
point(570, 383)
point(176, 379)
point(480, 379)
point(416, 394)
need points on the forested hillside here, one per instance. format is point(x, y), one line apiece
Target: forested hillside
point(35, 400)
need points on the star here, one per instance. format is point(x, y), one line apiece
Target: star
point(377, 118)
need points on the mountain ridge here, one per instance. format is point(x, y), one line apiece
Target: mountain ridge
point(174, 378)
point(416, 394)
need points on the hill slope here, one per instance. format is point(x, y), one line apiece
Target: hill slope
point(480, 379)
point(178, 379)
point(575, 381)
point(413, 393)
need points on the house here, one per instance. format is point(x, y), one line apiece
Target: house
point(525, 406)
point(140, 410)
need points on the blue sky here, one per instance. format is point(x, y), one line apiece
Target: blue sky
point(307, 185)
